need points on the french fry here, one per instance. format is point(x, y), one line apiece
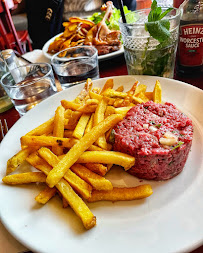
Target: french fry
point(97, 168)
point(118, 102)
point(143, 97)
point(70, 105)
point(92, 101)
point(68, 133)
point(44, 196)
point(98, 117)
point(108, 85)
point(140, 88)
point(123, 110)
point(109, 110)
point(58, 130)
point(96, 90)
point(72, 116)
point(122, 194)
point(100, 97)
point(80, 127)
point(120, 88)
point(107, 157)
point(47, 141)
point(149, 95)
point(76, 203)
point(90, 124)
point(17, 159)
point(109, 166)
point(137, 100)
point(94, 148)
point(24, 178)
point(95, 96)
point(76, 182)
point(87, 108)
point(114, 94)
point(84, 92)
point(83, 144)
point(68, 126)
point(98, 182)
point(157, 92)
point(132, 89)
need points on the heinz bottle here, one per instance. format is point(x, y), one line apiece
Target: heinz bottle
point(190, 48)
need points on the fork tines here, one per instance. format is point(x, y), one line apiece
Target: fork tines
point(3, 128)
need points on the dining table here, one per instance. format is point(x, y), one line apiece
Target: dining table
point(112, 67)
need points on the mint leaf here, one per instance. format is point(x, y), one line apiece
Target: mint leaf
point(159, 30)
point(154, 5)
point(165, 13)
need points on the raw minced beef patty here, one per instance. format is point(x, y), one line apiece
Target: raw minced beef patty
point(159, 136)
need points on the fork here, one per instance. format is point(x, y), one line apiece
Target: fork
point(3, 129)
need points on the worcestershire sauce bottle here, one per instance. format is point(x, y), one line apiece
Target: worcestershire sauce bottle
point(190, 48)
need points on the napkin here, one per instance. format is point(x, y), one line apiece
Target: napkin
point(36, 56)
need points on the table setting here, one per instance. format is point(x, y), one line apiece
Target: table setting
point(46, 84)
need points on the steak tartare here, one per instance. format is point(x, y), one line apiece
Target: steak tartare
point(159, 136)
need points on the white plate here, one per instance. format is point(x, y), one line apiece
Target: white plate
point(168, 221)
point(100, 57)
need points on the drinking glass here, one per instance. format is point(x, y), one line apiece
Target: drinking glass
point(5, 102)
point(145, 55)
point(28, 85)
point(74, 65)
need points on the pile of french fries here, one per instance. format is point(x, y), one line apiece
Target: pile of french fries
point(72, 151)
point(75, 32)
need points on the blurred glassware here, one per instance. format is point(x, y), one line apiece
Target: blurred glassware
point(165, 3)
point(10, 58)
point(177, 3)
point(74, 65)
point(144, 54)
point(5, 102)
point(28, 85)
point(143, 4)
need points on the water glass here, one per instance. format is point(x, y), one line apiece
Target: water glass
point(28, 85)
point(5, 102)
point(74, 65)
point(145, 55)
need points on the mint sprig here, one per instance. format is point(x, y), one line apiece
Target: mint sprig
point(158, 28)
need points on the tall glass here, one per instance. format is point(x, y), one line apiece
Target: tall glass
point(145, 55)
point(5, 102)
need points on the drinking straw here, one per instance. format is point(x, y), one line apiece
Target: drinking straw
point(120, 3)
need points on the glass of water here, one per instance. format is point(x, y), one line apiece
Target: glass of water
point(5, 102)
point(144, 54)
point(75, 64)
point(28, 85)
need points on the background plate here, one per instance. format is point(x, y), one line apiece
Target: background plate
point(168, 221)
point(100, 57)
